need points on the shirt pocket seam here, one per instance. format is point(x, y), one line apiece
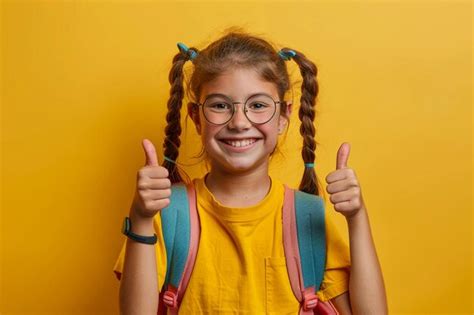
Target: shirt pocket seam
point(274, 268)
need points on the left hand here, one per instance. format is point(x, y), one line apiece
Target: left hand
point(343, 186)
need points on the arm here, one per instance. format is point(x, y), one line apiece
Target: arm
point(138, 284)
point(366, 286)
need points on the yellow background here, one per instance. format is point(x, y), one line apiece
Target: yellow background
point(83, 82)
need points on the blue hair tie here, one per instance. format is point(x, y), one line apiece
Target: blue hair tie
point(287, 55)
point(184, 49)
point(168, 159)
point(309, 165)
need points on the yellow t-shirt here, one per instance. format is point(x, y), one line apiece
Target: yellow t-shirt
point(240, 265)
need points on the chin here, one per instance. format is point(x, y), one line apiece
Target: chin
point(242, 166)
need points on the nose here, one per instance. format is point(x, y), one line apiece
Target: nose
point(239, 121)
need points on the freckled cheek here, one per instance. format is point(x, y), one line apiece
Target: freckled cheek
point(272, 136)
point(209, 136)
point(271, 131)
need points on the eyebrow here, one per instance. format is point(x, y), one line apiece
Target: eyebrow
point(246, 98)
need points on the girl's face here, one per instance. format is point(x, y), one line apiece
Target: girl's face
point(239, 145)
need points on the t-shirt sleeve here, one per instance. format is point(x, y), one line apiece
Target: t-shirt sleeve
point(336, 276)
point(160, 254)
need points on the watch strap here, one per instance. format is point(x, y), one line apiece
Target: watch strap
point(127, 230)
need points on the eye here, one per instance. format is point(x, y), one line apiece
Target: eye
point(258, 106)
point(219, 106)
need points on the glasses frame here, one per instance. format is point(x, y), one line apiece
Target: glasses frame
point(231, 101)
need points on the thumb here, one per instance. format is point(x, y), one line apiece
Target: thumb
point(150, 153)
point(343, 155)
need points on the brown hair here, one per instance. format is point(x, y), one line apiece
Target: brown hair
point(241, 49)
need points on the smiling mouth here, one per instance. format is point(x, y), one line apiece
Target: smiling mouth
point(240, 143)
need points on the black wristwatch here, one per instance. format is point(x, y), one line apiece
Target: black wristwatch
point(126, 229)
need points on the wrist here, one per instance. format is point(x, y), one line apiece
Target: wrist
point(141, 225)
point(359, 215)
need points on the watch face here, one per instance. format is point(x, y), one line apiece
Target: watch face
point(125, 226)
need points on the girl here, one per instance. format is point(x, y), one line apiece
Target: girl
point(238, 87)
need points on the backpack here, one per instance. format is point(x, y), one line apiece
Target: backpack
point(304, 243)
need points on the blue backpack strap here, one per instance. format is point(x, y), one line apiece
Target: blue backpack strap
point(304, 241)
point(176, 227)
point(310, 221)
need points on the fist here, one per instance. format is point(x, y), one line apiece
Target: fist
point(343, 186)
point(153, 185)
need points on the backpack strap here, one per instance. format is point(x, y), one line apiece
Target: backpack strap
point(304, 241)
point(181, 231)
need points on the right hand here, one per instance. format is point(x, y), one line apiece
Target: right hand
point(153, 185)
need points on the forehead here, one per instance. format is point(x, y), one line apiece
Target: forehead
point(238, 84)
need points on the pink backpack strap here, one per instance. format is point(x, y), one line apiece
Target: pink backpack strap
point(173, 296)
point(290, 244)
point(194, 243)
point(310, 303)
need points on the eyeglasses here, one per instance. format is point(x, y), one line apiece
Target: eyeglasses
point(219, 109)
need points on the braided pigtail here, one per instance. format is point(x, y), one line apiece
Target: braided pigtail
point(173, 117)
point(307, 113)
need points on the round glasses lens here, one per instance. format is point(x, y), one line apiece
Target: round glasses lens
point(260, 108)
point(217, 109)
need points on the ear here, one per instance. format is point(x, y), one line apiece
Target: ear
point(282, 122)
point(193, 112)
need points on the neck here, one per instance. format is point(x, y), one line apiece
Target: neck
point(239, 189)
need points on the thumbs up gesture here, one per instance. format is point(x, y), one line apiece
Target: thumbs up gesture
point(343, 186)
point(153, 185)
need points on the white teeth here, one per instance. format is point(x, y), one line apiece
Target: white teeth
point(240, 143)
